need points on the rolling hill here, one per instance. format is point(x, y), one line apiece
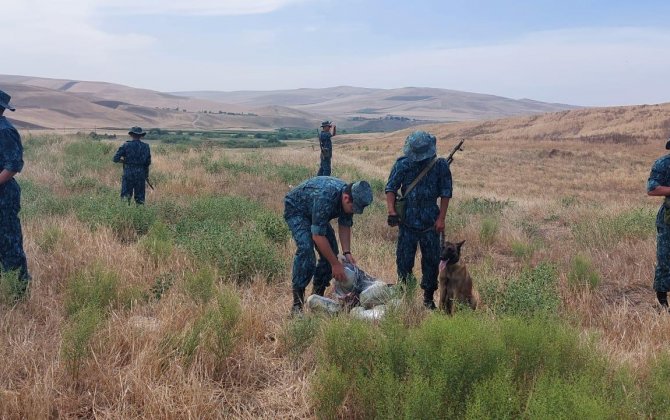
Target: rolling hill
point(72, 104)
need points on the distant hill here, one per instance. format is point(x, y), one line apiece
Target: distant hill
point(353, 106)
point(72, 104)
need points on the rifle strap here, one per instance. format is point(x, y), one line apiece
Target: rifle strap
point(421, 175)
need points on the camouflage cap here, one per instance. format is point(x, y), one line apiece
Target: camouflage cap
point(419, 146)
point(667, 144)
point(4, 101)
point(361, 194)
point(137, 131)
point(326, 123)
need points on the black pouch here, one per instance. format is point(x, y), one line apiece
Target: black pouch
point(400, 203)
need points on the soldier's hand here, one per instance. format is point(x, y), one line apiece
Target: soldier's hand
point(393, 220)
point(439, 225)
point(338, 272)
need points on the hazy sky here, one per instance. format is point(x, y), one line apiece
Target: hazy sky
point(583, 52)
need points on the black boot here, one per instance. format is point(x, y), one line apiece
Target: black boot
point(663, 300)
point(319, 290)
point(428, 301)
point(298, 300)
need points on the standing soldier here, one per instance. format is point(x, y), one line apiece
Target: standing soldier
point(12, 256)
point(308, 210)
point(136, 158)
point(326, 145)
point(423, 219)
point(658, 185)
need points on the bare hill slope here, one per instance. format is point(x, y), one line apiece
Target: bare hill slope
point(353, 103)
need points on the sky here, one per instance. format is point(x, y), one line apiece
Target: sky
point(579, 52)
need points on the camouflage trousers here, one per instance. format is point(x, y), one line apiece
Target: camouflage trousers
point(662, 274)
point(305, 265)
point(429, 243)
point(324, 168)
point(133, 186)
point(12, 256)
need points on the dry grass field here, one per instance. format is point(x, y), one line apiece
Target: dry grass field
point(179, 309)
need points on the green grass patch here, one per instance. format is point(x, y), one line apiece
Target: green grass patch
point(607, 231)
point(582, 274)
point(466, 366)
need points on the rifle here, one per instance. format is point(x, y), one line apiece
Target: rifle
point(456, 148)
point(149, 183)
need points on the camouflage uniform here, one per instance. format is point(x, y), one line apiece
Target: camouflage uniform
point(137, 158)
point(308, 210)
point(660, 176)
point(326, 145)
point(12, 256)
point(421, 212)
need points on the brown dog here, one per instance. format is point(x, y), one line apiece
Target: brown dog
point(455, 281)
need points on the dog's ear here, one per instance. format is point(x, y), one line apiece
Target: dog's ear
point(460, 244)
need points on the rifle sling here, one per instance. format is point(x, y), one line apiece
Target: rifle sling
point(421, 175)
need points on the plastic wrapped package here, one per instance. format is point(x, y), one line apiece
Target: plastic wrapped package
point(378, 293)
point(323, 305)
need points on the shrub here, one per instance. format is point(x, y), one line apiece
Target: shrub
point(12, 288)
point(273, 227)
point(522, 250)
point(38, 201)
point(50, 238)
point(463, 366)
point(484, 206)
point(534, 292)
point(582, 273)
point(200, 285)
point(77, 335)
point(293, 174)
point(606, 231)
point(91, 288)
point(161, 285)
point(489, 230)
point(299, 333)
point(127, 221)
point(158, 243)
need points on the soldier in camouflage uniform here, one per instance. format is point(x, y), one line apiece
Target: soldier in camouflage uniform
point(12, 256)
point(136, 158)
point(423, 220)
point(658, 185)
point(326, 145)
point(308, 210)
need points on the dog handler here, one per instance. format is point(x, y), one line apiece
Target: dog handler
point(423, 220)
point(12, 256)
point(658, 185)
point(308, 210)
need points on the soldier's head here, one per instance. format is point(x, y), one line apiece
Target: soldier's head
point(4, 102)
point(419, 146)
point(325, 126)
point(356, 197)
point(137, 133)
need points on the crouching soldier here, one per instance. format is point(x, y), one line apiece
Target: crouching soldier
point(12, 256)
point(136, 158)
point(422, 178)
point(308, 210)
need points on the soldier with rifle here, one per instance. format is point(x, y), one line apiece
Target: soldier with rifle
point(136, 158)
point(658, 185)
point(421, 178)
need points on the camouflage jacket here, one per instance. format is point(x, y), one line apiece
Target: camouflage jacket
point(11, 149)
point(421, 210)
point(136, 157)
point(318, 199)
